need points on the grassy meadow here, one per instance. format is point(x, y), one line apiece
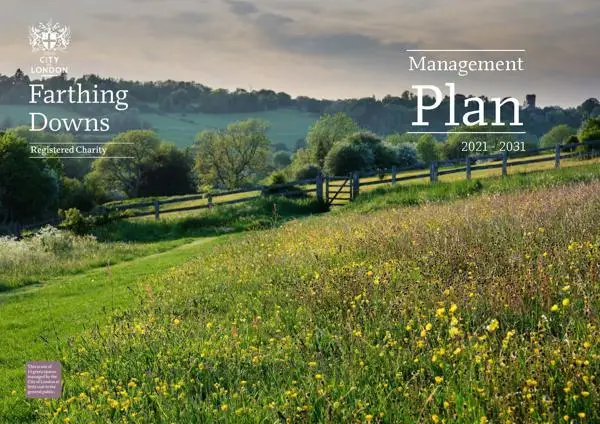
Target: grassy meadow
point(475, 309)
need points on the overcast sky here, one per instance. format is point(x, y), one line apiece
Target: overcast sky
point(320, 48)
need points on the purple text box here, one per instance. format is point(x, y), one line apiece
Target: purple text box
point(43, 379)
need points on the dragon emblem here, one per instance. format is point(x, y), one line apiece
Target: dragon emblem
point(49, 37)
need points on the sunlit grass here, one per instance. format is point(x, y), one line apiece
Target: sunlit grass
point(482, 310)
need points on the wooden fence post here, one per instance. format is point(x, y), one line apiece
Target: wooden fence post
point(18, 231)
point(504, 163)
point(433, 172)
point(319, 183)
point(355, 186)
point(557, 156)
point(394, 175)
point(468, 168)
point(156, 210)
point(209, 201)
point(327, 188)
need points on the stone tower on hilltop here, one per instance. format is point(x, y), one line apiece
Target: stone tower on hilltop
point(529, 101)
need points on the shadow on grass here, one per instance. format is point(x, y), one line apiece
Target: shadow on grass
point(257, 214)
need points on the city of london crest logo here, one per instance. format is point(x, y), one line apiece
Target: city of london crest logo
point(49, 37)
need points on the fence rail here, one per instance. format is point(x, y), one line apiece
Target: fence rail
point(336, 190)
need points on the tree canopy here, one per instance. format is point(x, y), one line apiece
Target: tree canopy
point(232, 157)
point(126, 158)
point(29, 188)
point(557, 135)
point(327, 131)
point(428, 149)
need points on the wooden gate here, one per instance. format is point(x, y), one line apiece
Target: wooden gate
point(338, 190)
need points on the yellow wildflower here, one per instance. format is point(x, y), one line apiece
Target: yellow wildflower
point(493, 326)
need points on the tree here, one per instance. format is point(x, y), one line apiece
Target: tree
point(590, 132)
point(29, 188)
point(306, 172)
point(127, 156)
point(589, 105)
point(72, 168)
point(557, 135)
point(327, 131)
point(346, 157)
point(281, 159)
point(76, 194)
point(299, 144)
point(476, 142)
point(406, 155)
point(169, 172)
point(384, 154)
point(234, 156)
point(428, 149)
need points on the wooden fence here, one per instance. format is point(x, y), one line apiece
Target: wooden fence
point(338, 190)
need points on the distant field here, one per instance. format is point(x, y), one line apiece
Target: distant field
point(19, 114)
point(286, 125)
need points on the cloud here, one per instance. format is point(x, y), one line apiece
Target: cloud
point(241, 8)
point(281, 32)
point(341, 44)
point(272, 21)
point(188, 23)
point(324, 48)
point(110, 17)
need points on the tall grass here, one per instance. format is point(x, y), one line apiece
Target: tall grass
point(484, 310)
point(257, 214)
point(51, 252)
point(416, 194)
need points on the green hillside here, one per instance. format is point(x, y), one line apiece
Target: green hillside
point(19, 114)
point(286, 125)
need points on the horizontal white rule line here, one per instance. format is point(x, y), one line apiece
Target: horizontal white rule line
point(83, 157)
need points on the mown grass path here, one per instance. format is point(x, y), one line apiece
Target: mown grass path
point(34, 319)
